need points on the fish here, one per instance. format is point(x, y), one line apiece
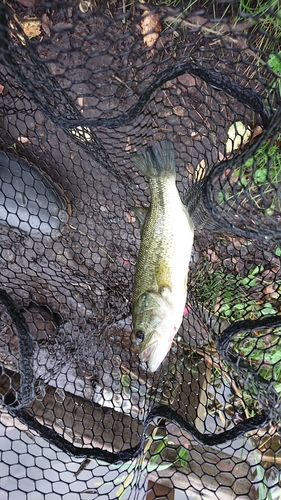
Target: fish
point(167, 234)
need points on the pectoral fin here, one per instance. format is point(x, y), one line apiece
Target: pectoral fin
point(163, 277)
point(140, 214)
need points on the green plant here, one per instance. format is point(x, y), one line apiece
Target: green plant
point(261, 174)
point(259, 7)
point(128, 479)
point(232, 301)
point(264, 491)
point(256, 180)
point(274, 62)
point(267, 16)
point(263, 352)
point(127, 475)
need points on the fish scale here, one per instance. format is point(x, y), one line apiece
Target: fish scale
point(157, 247)
point(159, 291)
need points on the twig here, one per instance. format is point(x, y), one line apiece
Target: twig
point(123, 83)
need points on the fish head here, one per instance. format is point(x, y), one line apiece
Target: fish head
point(154, 328)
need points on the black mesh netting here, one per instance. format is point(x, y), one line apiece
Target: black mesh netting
point(83, 87)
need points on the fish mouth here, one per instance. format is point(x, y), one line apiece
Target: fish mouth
point(147, 351)
point(151, 355)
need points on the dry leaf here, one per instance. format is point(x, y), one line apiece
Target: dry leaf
point(128, 147)
point(85, 5)
point(238, 135)
point(179, 110)
point(1, 88)
point(46, 24)
point(62, 26)
point(257, 131)
point(187, 80)
point(200, 171)
point(23, 139)
point(270, 290)
point(31, 26)
point(129, 216)
point(82, 133)
point(150, 27)
point(80, 102)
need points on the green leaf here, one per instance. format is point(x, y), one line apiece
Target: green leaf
point(243, 182)
point(125, 486)
point(274, 357)
point(164, 466)
point(125, 466)
point(277, 387)
point(268, 309)
point(260, 175)
point(249, 162)
point(125, 381)
point(154, 459)
point(183, 453)
point(120, 479)
point(157, 437)
point(239, 307)
point(274, 62)
point(102, 462)
point(220, 197)
point(161, 446)
point(158, 467)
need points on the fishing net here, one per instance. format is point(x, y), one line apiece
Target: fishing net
point(84, 86)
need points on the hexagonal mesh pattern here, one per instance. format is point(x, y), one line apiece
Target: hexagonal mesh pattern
point(85, 86)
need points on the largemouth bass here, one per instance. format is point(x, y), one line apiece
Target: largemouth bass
point(160, 283)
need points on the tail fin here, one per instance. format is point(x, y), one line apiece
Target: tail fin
point(157, 161)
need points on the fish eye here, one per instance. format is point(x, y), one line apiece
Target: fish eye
point(139, 335)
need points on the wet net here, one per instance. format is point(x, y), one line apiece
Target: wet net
point(83, 87)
